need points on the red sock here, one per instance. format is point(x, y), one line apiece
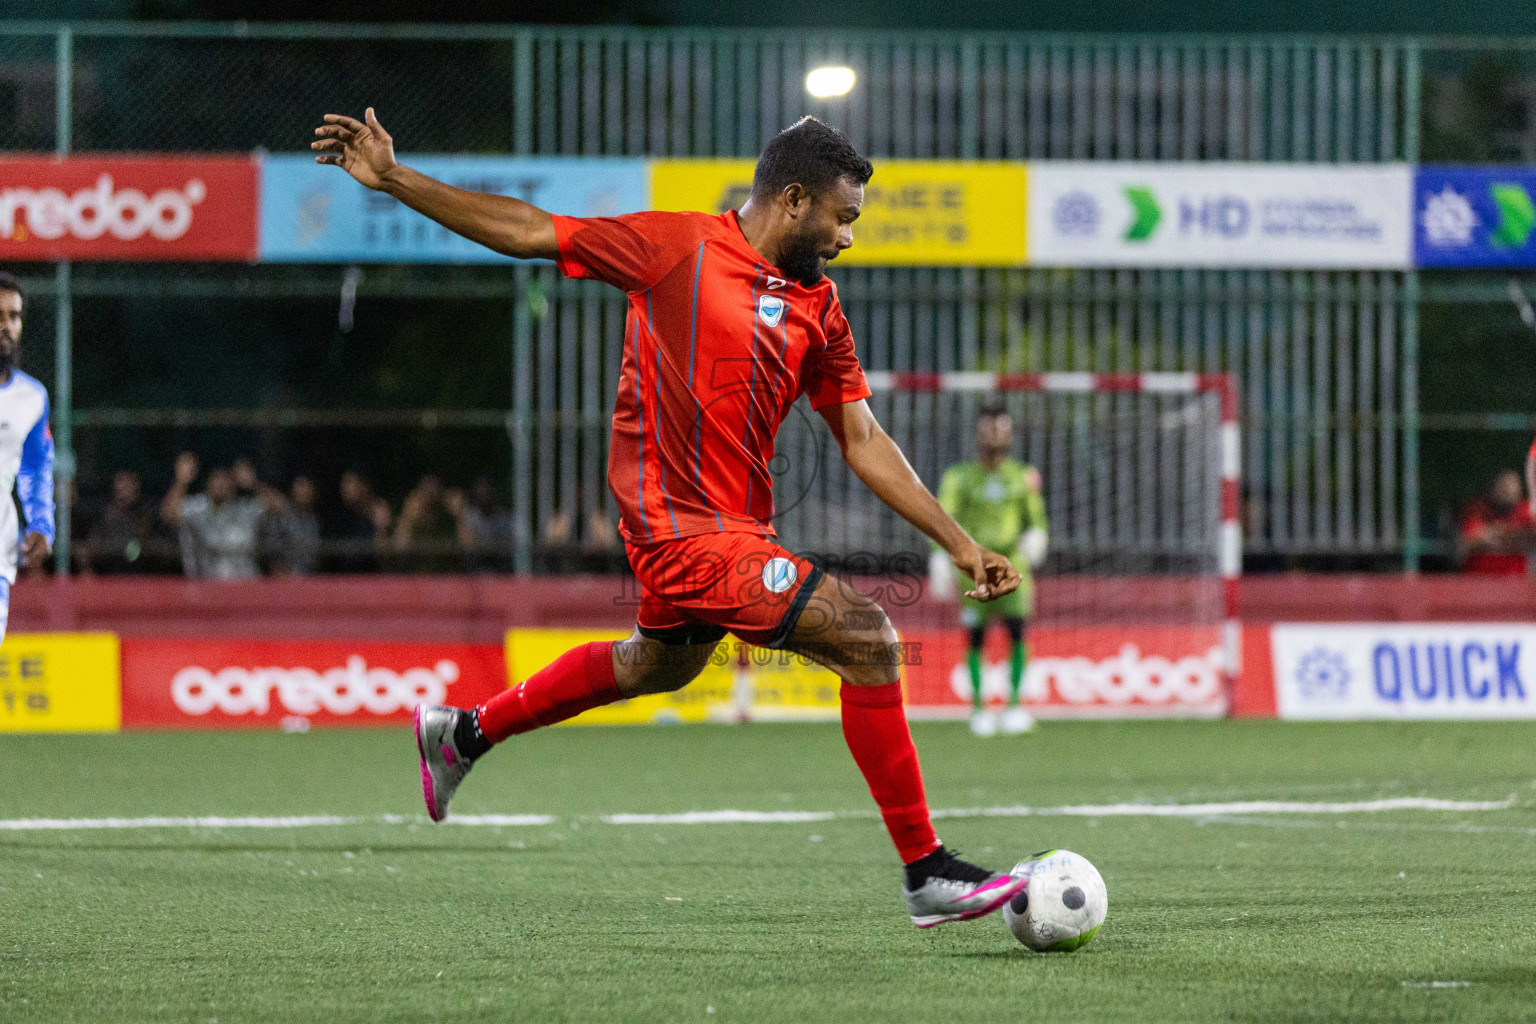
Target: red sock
point(578, 680)
point(875, 726)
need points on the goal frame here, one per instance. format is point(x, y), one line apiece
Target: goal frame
point(1229, 534)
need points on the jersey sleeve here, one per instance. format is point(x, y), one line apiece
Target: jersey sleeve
point(836, 378)
point(631, 252)
point(1033, 502)
point(34, 479)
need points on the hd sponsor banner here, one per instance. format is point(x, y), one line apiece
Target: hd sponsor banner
point(128, 208)
point(1219, 215)
point(740, 682)
point(1405, 671)
point(1475, 216)
point(1085, 672)
point(245, 684)
point(315, 213)
point(916, 212)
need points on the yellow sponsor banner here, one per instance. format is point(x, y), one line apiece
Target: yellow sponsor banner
point(60, 682)
point(917, 213)
point(740, 681)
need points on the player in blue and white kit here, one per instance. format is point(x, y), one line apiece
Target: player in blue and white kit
point(26, 452)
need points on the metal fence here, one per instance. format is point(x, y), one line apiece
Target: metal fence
point(1327, 361)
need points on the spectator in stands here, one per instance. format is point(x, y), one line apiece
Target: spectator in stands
point(580, 545)
point(123, 535)
point(217, 527)
point(426, 537)
point(486, 529)
point(1497, 531)
point(361, 528)
point(290, 531)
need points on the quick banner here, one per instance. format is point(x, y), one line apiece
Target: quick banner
point(316, 213)
point(1130, 214)
point(128, 208)
point(251, 684)
point(1405, 670)
point(1475, 216)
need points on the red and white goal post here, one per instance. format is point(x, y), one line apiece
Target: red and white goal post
point(1140, 472)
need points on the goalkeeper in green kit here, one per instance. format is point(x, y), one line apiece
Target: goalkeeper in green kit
point(997, 500)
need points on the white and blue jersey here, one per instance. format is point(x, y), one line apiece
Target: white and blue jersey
point(26, 462)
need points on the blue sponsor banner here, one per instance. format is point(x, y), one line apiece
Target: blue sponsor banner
point(315, 213)
point(1474, 216)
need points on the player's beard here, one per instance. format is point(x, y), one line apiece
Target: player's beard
point(803, 259)
point(7, 358)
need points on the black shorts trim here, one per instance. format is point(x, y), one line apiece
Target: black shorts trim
point(687, 633)
point(792, 617)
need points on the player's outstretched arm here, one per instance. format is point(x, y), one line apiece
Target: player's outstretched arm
point(365, 150)
point(878, 462)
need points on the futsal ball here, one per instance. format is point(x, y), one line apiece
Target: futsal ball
point(1064, 905)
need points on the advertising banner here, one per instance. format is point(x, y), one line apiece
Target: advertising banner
point(1474, 216)
point(1089, 672)
point(249, 684)
point(59, 682)
point(1405, 670)
point(128, 208)
point(1219, 215)
point(740, 682)
point(916, 212)
point(315, 213)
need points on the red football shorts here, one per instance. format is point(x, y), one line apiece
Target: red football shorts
point(696, 589)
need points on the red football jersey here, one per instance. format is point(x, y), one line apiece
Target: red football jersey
point(717, 346)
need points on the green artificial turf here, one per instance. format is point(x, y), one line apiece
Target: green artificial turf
point(1235, 917)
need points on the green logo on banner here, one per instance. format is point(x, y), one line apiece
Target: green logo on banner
point(1147, 214)
point(1517, 216)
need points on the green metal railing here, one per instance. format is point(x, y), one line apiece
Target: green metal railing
point(1328, 361)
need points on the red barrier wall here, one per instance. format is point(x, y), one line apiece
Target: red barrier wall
point(479, 609)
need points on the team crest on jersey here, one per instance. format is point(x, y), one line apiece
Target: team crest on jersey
point(779, 575)
point(770, 309)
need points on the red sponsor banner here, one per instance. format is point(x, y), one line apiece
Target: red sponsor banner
point(246, 684)
point(128, 208)
point(1134, 671)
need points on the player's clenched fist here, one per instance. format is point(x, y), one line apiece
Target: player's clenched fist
point(361, 148)
point(993, 573)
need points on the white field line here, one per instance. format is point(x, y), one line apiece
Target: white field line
point(731, 817)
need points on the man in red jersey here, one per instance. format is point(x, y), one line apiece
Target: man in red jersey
point(730, 320)
point(1497, 529)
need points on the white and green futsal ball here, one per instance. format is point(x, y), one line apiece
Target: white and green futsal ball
point(1064, 905)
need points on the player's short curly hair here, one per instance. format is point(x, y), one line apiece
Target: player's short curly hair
point(10, 283)
point(809, 153)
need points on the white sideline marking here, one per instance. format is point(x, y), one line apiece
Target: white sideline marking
point(304, 821)
point(730, 817)
point(1403, 803)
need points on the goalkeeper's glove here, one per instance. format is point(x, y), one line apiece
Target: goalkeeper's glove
point(1032, 546)
point(941, 576)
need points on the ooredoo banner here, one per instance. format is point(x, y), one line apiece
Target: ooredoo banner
point(1429, 670)
point(1219, 215)
point(213, 684)
point(1076, 672)
point(128, 208)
